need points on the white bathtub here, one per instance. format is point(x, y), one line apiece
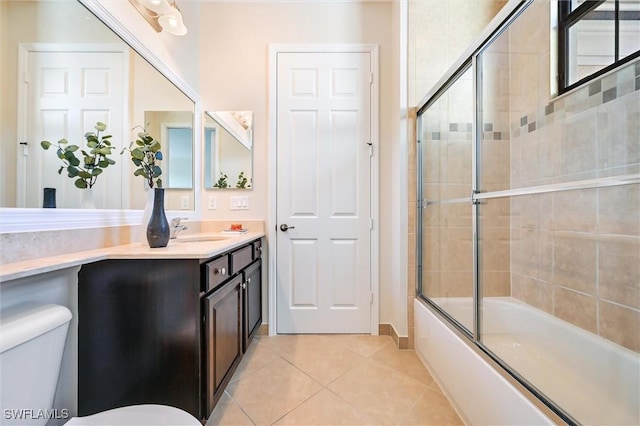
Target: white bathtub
point(594, 380)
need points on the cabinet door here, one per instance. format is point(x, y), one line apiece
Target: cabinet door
point(139, 335)
point(252, 302)
point(223, 337)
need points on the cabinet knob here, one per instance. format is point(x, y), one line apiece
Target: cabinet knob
point(221, 271)
point(249, 281)
point(244, 286)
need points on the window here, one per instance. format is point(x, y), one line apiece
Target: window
point(595, 36)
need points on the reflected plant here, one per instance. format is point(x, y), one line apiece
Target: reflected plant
point(145, 151)
point(243, 182)
point(93, 162)
point(222, 181)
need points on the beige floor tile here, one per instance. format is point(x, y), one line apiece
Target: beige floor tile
point(227, 412)
point(326, 408)
point(317, 356)
point(432, 408)
point(287, 343)
point(363, 344)
point(269, 393)
point(378, 390)
point(366, 381)
point(257, 356)
point(403, 361)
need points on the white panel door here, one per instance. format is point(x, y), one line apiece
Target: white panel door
point(68, 92)
point(323, 277)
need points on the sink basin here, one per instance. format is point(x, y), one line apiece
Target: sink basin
point(200, 238)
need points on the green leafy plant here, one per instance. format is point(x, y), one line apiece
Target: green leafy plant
point(145, 152)
point(94, 159)
point(242, 182)
point(222, 181)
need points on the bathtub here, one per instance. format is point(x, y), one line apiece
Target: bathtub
point(594, 380)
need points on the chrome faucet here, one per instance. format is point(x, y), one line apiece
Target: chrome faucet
point(176, 226)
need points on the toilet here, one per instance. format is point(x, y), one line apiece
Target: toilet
point(32, 340)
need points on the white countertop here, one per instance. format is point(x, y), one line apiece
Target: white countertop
point(182, 247)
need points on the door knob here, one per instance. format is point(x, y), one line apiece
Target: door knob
point(284, 227)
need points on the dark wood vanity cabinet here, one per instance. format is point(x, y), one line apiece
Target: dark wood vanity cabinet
point(233, 314)
point(139, 337)
point(165, 331)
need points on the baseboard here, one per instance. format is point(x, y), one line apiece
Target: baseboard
point(402, 342)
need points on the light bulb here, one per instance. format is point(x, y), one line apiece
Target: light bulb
point(158, 6)
point(171, 21)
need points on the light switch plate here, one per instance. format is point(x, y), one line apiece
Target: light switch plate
point(213, 202)
point(239, 202)
point(184, 202)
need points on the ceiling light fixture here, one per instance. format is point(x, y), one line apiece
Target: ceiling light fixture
point(161, 15)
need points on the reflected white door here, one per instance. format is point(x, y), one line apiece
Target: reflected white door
point(67, 93)
point(323, 277)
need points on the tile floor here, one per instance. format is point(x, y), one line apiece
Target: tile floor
point(331, 380)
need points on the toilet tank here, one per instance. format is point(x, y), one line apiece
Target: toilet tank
point(32, 339)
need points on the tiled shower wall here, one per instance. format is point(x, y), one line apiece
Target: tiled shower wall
point(574, 254)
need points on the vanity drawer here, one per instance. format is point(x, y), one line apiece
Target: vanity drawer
point(241, 258)
point(217, 272)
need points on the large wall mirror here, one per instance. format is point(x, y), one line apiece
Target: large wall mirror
point(228, 145)
point(79, 72)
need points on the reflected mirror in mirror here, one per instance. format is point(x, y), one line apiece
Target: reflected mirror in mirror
point(228, 143)
point(80, 73)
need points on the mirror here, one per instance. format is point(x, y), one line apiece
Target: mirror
point(175, 134)
point(228, 143)
point(80, 73)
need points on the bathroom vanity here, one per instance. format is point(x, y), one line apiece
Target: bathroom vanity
point(169, 329)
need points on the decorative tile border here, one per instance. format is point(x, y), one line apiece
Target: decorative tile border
point(622, 82)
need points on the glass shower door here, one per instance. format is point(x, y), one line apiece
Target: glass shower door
point(558, 227)
point(445, 208)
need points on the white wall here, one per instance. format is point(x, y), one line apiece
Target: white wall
point(235, 76)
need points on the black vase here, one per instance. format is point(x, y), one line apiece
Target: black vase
point(158, 228)
point(49, 198)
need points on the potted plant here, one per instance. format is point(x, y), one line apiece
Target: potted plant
point(145, 152)
point(86, 168)
point(145, 155)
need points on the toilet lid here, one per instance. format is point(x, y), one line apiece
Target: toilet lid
point(138, 415)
